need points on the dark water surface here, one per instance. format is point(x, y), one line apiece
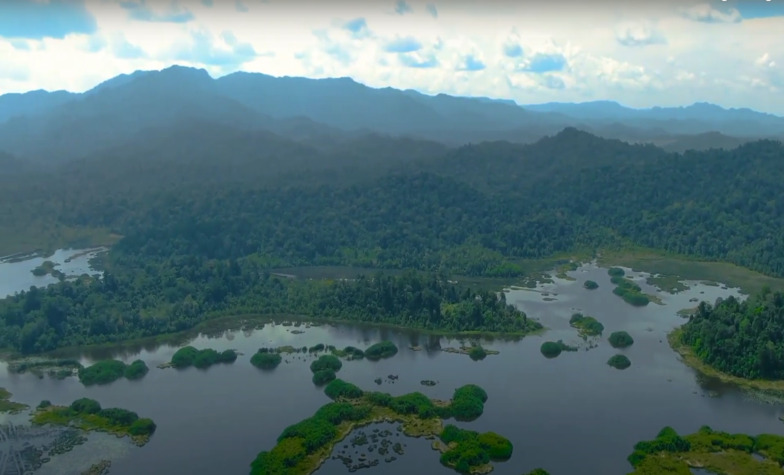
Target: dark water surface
point(570, 415)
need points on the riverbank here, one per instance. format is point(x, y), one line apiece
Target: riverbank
point(690, 359)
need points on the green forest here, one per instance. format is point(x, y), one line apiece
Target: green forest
point(204, 243)
point(744, 339)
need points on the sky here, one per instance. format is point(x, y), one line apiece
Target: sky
point(639, 53)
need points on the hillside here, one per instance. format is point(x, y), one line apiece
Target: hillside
point(59, 127)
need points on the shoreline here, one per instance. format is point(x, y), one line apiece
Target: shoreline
point(687, 357)
point(241, 321)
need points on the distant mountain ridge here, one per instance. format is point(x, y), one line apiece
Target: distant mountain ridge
point(62, 126)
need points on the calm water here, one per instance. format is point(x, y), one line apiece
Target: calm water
point(18, 276)
point(570, 415)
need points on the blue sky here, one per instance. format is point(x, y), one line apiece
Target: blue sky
point(640, 54)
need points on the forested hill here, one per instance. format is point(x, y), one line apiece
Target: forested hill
point(406, 203)
point(200, 226)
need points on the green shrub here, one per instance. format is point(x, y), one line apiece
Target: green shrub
point(341, 389)
point(323, 376)
point(477, 353)
point(619, 362)
point(136, 370)
point(86, 406)
point(143, 426)
point(550, 349)
point(184, 357)
point(384, 349)
point(102, 372)
point(590, 285)
point(326, 362)
point(266, 360)
point(620, 339)
point(119, 417)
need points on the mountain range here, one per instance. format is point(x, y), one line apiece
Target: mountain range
point(132, 111)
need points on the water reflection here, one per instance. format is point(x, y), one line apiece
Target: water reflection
point(217, 420)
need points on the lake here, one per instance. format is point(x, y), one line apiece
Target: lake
point(571, 414)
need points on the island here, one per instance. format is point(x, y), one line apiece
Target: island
point(619, 361)
point(87, 415)
point(48, 268)
point(586, 326)
point(476, 352)
point(108, 371)
point(590, 285)
point(265, 359)
point(551, 349)
point(626, 289)
point(324, 369)
point(384, 349)
point(303, 447)
point(202, 359)
point(620, 339)
point(710, 450)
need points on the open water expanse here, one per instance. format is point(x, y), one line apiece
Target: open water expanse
point(573, 414)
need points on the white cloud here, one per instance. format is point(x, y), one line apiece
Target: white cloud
point(707, 14)
point(640, 54)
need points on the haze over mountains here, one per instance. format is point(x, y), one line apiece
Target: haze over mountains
point(184, 110)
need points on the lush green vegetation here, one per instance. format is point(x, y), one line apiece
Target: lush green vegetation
point(586, 326)
point(107, 371)
point(619, 361)
point(744, 339)
point(626, 289)
point(714, 451)
point(190, 356)
point(302, 446)
point(48, 268)
point(551, 349)
point(6, 405)
point(469, 450)
point(87, 414)
point(477, 353)
point(590, 285)
point(434, 303)
point(384, 349)
point(206, 247)
point(266, 359)
point(329, 362)
point(538, 471)
point(323, 376)
point(620, 339)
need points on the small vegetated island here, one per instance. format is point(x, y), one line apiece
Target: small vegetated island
point(590, 285)
point(619, 361)
point(384, 349)
point(714, 451)
point(302, 447)
point(620, 339)
point(738, 341)
point(626, 289)
point(324, 369)
point(551, 349)
point(586, 326)
point(270, 358)
point(108, 371)
point(190, 356)
point(48, 268)
point(87, 414)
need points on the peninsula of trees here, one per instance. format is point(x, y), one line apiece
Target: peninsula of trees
point(744, 339)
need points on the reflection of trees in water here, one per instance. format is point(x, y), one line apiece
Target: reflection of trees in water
point(23, 449)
